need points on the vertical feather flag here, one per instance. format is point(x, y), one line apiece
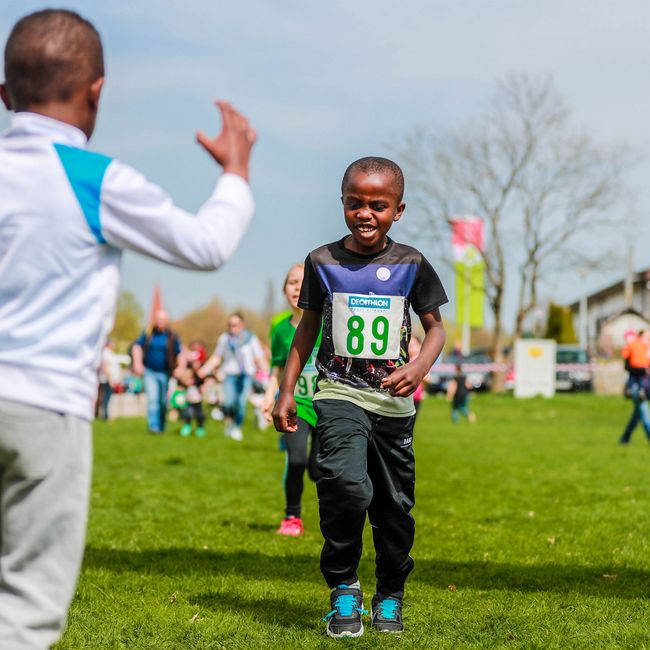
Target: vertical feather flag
point(468, 242)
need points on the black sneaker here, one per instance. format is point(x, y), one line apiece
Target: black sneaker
point(387, 614)
point(345, 617)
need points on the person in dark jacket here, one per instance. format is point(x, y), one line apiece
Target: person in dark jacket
point(154, 356)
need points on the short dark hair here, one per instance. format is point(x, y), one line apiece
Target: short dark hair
point(49, 55)
point(375, 165)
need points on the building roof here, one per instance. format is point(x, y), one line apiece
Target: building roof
point(640, 277)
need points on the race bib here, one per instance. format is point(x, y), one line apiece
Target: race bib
point(306, 384)
point(308, 380)
point(367, 327)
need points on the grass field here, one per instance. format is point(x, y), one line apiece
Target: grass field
point(533, 531)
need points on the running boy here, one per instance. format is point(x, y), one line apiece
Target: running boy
point(66, 215)
point(362, 287)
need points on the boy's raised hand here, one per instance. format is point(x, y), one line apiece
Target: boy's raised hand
point(232, 147)
point(285, 414)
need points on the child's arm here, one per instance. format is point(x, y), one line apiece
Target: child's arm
point(209, 366)
point(403, 381)
point(215, 360)
point(181, 365)
point(284, 413)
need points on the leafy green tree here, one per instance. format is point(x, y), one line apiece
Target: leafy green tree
point(203, 324)
point(129, 320)
point(206, 323)
point(560, 324)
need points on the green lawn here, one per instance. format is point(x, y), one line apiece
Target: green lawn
point(533, 531)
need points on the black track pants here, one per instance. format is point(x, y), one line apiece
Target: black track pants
point(367, 465)
point(297, 461)
point(193, 411)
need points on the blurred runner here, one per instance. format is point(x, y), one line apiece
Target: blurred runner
point(296, 444)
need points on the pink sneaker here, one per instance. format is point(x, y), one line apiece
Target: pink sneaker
point(291, 526)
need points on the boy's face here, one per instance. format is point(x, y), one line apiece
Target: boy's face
point(371, 204)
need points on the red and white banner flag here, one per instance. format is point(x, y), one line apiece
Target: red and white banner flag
point(467, 232)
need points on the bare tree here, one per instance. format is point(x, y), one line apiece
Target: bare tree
point(544, 189)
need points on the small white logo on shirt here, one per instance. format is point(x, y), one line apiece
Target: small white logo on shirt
point(406, 442)
point(383, 273)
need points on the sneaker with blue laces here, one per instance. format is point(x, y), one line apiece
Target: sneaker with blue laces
point(387, 614)
point(345, 618)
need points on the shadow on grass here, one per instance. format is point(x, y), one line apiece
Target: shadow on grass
point(485, 576)
point(276, 611)
point(265, 528)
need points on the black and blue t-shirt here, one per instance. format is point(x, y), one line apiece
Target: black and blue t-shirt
point(365, 301)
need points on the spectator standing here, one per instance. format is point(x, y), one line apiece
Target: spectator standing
point(155, 355)
point(110, 378)
point(636, 354)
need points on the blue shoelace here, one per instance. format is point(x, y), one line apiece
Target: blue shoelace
point(388, 609)
point(345, 606)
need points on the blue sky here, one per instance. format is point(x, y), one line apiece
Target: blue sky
point(326, 83)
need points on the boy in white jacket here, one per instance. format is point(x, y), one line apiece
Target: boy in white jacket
point(66, 215)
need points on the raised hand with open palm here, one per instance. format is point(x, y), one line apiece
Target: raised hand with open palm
point(232, 147)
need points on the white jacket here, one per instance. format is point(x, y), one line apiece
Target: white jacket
point(66, 214)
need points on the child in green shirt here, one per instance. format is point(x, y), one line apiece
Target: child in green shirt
point(295, 444)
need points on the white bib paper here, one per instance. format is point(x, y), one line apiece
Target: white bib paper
point(308, 380)
point(306, 384)
point(367, 327)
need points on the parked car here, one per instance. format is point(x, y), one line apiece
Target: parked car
point(476, 366)
point(439, 376)
point(573, 369)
